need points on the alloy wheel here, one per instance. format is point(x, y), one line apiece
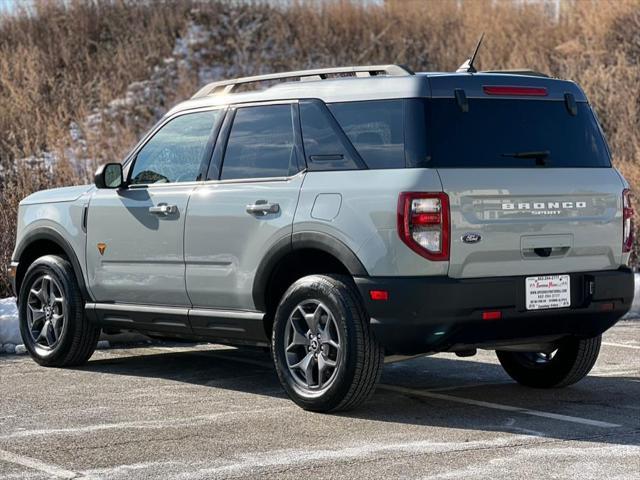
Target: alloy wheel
point(313, 346)
point(46, 309)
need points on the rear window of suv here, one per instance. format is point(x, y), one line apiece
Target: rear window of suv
point(497, 133)
point(493, 133)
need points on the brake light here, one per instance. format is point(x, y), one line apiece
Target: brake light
point(516, 91)
point(627, 221)
point(423, 223)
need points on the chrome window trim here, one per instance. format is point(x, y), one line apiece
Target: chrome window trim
point(255, 180)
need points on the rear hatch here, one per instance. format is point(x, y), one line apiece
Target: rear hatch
point(528, 175)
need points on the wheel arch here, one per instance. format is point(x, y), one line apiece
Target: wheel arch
point(45, 241)
point(290, 258)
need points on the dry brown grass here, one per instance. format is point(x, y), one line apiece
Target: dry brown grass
point(65, 60)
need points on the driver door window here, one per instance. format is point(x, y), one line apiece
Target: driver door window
point(176, 152)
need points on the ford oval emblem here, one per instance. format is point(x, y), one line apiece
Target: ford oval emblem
point(471, 237)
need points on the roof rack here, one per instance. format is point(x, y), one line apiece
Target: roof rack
point(531, 73)
point(226, 86)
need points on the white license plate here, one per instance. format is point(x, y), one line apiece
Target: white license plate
point(548, 291)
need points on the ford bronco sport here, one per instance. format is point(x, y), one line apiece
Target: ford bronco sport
point(339, 215)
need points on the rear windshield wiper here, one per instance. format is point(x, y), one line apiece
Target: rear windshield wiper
point(538, 156)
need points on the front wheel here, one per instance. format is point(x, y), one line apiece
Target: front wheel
point(570, 363)
point(53, 325)
point(325, 354)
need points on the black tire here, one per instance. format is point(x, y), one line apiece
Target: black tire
point(354, 378)
point(573, 360)
point(77, 338)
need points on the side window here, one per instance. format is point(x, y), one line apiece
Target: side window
point(324, 148)
point(175, 153)
point(261, 144)
point(376, 129)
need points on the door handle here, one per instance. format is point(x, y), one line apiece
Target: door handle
point(163, 209)
point(262, 207)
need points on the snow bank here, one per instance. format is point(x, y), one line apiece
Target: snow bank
point(635, 307)
point(11, 342)
point(9, 332)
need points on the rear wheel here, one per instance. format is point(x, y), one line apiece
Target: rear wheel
point(570, 363)
point(325, 354)
point(53, 326)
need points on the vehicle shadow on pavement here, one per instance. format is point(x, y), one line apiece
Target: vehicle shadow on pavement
point(597, 399)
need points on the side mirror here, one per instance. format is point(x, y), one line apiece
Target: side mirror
point(109, 176)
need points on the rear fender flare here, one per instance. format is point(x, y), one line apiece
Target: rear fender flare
point(301, 241)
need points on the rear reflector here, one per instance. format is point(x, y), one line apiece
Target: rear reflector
point(516, 91)
point(607, 307)
point(381, 295)
point(494, 315)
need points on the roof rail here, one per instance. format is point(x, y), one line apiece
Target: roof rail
point(226, 86)
point(531, 73)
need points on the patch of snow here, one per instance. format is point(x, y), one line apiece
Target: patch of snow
point(21, 349)
point(635, 306)
point(9, 331)
point(44, 159)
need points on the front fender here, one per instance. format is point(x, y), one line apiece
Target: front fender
point(60, 223)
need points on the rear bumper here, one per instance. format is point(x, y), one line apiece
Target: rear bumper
point(431, 314)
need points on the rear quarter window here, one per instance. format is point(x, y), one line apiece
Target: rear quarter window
point(325, 145)
point(376, 130)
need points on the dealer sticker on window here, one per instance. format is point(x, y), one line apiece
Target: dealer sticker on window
point(548, 291)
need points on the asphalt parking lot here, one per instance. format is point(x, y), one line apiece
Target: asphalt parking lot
point(205, 411)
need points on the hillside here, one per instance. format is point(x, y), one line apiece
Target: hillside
point(80, 82)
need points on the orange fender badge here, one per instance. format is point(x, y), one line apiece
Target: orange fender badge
point(102, 247)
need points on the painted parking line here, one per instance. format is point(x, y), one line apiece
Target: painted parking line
point(615, 373)
point(498, 406)
point(53, 471)
point(621, 345)
point(160, 424)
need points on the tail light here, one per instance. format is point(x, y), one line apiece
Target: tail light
point(627, 221)
point(423, 223)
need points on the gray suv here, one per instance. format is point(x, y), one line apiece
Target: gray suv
point(340, 215)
